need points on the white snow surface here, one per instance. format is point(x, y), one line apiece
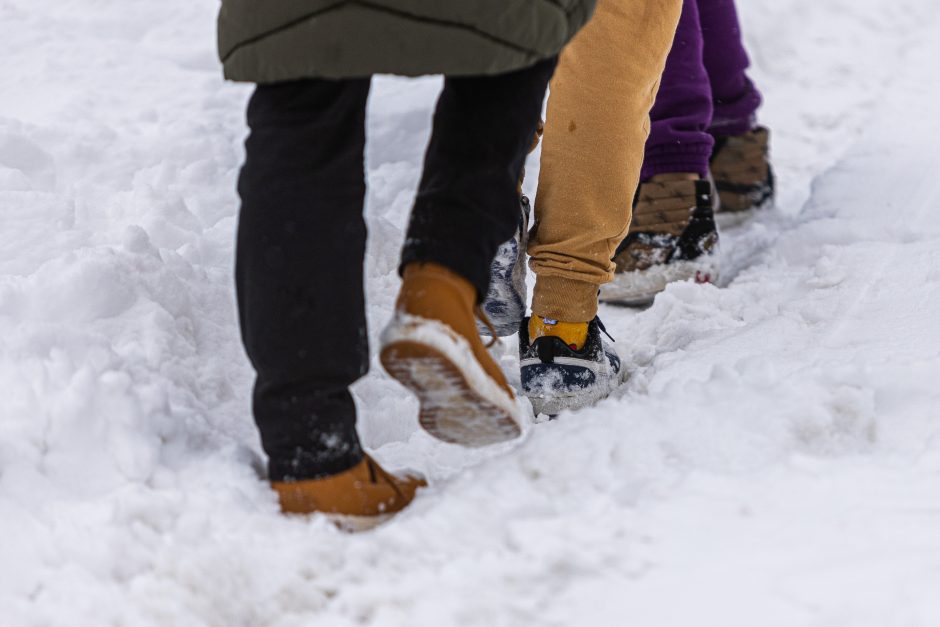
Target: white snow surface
point(774, 459)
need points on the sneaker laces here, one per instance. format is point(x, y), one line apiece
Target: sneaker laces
point(600, 325)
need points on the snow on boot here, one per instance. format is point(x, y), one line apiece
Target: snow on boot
point(505, 302)
point(357, 499)
point(557, 376)
point(740, 166)
point(432, 347)
point(672, 237)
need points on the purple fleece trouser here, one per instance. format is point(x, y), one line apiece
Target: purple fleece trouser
point(704, 90)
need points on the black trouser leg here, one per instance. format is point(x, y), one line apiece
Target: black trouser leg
point(468, 200)
point(301, 244)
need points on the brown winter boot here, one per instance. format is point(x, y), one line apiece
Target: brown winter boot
point(431, 346)
point(356, 499)
point(672, 237)
point(740, 165)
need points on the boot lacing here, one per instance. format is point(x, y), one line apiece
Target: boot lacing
point(376, 471)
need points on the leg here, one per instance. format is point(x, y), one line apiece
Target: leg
point(468, 200)
point(597, 125)
point(467, 205)
point(679, 140)
point(740, 163)
point(736, 99)
point(301, 243)
point(673, 234)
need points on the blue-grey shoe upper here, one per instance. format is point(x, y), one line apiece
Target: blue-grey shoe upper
point(505, 302)
point(557, 377)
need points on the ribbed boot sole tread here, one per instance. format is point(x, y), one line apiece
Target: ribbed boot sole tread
point(451, 410)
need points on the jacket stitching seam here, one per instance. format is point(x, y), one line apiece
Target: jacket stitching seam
point(405, 14)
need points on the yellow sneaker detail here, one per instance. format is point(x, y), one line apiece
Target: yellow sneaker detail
point(574, 334)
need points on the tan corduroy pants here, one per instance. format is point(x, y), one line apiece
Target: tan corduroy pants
point(595, 133)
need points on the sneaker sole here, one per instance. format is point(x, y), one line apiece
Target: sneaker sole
point(640, 287)
point(551, 406)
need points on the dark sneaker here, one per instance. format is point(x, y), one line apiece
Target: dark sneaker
point(505, 303)
point(673, 237)
point(556, 377)
point(740, 166)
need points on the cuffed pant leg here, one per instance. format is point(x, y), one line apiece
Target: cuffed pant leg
point(596, 130)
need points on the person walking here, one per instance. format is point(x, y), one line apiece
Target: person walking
point(301, 233)
point(704, 124)
point(595, 131)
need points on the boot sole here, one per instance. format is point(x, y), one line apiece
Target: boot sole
point(451, 409)
point(357, 524)
point(460, 402)
point(640, 287)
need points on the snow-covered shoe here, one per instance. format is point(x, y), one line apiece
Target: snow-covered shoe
point(432, 347)
point(740, 166)
point(505, 303)
point(356, 499)
point(672, 237)
point(557, 376)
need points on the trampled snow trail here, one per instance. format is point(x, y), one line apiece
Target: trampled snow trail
point(774, 460)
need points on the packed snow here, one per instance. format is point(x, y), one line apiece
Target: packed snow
point(773, 460)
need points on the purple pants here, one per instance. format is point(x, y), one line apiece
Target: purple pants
point(704, 91)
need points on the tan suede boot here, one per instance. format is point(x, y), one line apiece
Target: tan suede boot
point(431, 346)
point(673, 237)
point(740, 165)
point(357, 499)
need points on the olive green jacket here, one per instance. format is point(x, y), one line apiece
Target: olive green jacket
point(265, 41)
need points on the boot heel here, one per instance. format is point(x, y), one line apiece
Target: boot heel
point(452, 406)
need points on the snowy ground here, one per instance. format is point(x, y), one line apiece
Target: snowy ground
point(774, 460)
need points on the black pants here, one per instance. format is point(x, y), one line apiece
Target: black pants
point(301, 240)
